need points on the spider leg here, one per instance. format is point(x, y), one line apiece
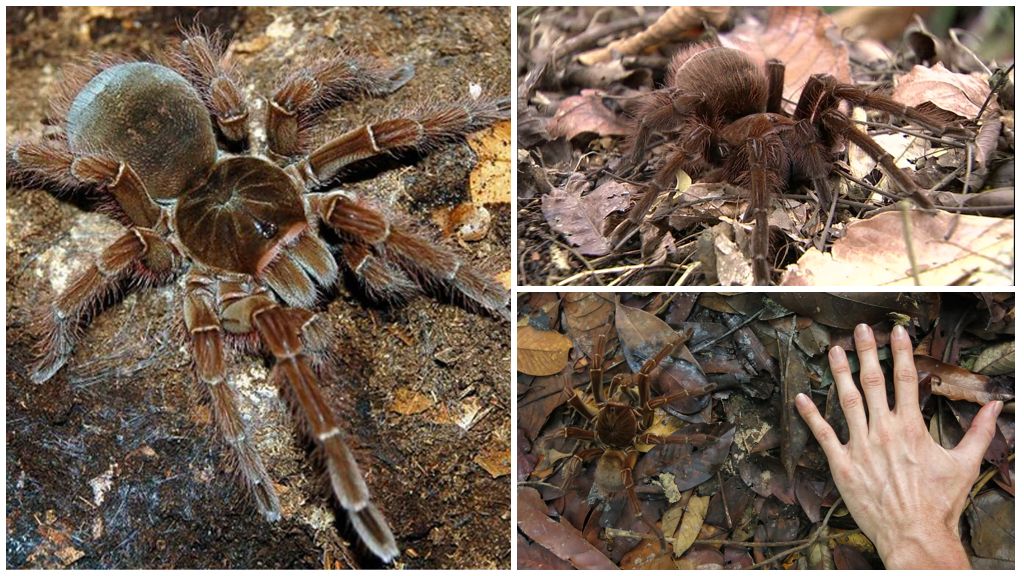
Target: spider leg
point(597, 369)
point(208, 351)
point(673, 439)
point(280, 329)
point(574, 400)
point(312, 90)
point(381, 279)
point(130, 257)
point(572, 432)
point(634, 501)
point(202, 59)
point(51, 165)
point(836, 121)
point(425, 132)
point(669, 398)
point(757, 155)
point(572, 467)
point(293, 272)
point(776, 71)
point(421, 259)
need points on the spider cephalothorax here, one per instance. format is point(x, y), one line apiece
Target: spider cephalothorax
point(722, 115)
point(617, 424)
point(242, 228)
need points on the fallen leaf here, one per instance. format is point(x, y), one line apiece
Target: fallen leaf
point(677, 23)
point(961, 94)
point(795, 380)
point(408, 402)
point(873, 252)
point(581, 218)
point(847, 309)
point(804, 38)
point(586, 114)
point(562, 540)
point(491, 179)
point(956, 383)
point(587, 315)
point(995, 360)
point(991, 517)
point(689, 526)
point(532, 556)
point(540, 352)
point(495, 460)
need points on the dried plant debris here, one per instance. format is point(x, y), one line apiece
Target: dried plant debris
point(628, 177)
point(724, 472)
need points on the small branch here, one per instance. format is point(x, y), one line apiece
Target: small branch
point(805, 543)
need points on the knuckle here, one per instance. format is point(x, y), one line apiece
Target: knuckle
point(906, 374)
point(850, 401)
point(872, 379)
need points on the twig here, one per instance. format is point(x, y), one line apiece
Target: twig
point(805, 544)
point(709, 343)
point(614, 270)
point(908, 239)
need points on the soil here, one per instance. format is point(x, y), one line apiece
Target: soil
point(114, 462)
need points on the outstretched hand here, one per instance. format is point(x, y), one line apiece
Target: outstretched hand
point(905, 491)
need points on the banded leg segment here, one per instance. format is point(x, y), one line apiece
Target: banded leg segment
point(423, 132)
point(317, 88)
point(51, 165)
point(60, 325)
point(426, 261)
point(280, 332)
point(201, 58)
point(208, 352)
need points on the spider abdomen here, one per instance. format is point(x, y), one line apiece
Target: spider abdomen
point(241, 215)
point(736, 83)
point(149, 116)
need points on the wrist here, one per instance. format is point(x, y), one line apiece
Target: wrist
point(938, 549)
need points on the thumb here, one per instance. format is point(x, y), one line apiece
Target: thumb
point(979, 436)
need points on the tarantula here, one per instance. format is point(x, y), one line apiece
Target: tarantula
point(617, 427)
point(723, 116)
point(166, 148)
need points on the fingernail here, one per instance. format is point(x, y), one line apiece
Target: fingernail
point(862, 331)
point(898, 331)
point(998, 408)
point(836, 353)
point(802, 398)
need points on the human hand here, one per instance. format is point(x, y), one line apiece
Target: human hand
point(905, 491)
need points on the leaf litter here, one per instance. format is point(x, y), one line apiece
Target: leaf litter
point(750, 487)
point(584, 66)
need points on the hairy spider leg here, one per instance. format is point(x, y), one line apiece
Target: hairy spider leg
point(643, 382)
point(425, 132)
point(574, 400)
point(202, 59)
point(572, 466)
point(425, 261)
point(280, 330)
point(627, 482)
point(206, 336)
point(298, 269)
point(597, 369)
point(776, 71)
point(381, 279)
point(312, 90)
point(122, 265)
point(673, 439)
point(757, 155)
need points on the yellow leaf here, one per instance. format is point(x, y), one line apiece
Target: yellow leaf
point(689, 526)
point(540, 352)
point(491, 180)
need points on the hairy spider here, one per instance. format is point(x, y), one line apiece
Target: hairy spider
point(165, 147)
point(618, 424)
point(723, 116)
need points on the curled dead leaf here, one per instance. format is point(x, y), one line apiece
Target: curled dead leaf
point(586, 114)
point(540, 352)
point(581, 218)
point(956, 383)
point(961, 94)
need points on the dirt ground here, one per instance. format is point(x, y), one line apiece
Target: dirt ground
point(114, 463)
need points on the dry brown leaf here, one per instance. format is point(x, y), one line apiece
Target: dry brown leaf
point(689, 526)
point(678, 22)
point(495, 460)
point(581, 218)
point(873, 252)
point(586, 113)
point(540, 352)
point(408, 402)
point(491, 179)
point(956, 383)
point(561, 539)
point(804, 38)
point(961, 94)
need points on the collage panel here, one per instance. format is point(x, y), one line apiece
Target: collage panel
point(804, 430)
point(258, 301)
point(737, 146)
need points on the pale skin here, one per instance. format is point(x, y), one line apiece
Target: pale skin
point(905, 491)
